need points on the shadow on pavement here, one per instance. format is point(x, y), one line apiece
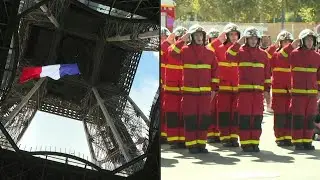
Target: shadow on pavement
point(220, 148)
point(266, 156)
point(168, 162)
point(314, 154)
point(208, 159)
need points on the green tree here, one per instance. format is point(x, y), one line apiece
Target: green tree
point(246, 11)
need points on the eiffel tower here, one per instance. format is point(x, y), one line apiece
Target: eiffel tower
point(106, 38)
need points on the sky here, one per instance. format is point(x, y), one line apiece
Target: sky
point(67, 135)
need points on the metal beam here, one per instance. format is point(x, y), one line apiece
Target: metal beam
point(46, 11)
point(7, 135)
point(23, 102)
point(132, 162)
point(112, 126)
point(144, 117)
point(89, 141)
point(145, 35)
point(36, 6)
point(135, 10)
point(97, 61)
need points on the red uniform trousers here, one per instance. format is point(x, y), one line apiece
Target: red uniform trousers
point(304, 111)
point(197, 118)
point(282, 116)
point(250, 109)
point(213, 131)
point(163, 124)
point(172, 111)
point(227, 115)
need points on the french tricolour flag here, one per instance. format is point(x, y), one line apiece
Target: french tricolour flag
point(53, 71)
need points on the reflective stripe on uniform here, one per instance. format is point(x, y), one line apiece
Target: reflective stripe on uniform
point(249, 142)
point(228, 88)
point(283, 138)
point(213, 134)
point(232, 52)
point(267, 81)
point(175, 49)
point(196, 89)
point(228, 64)
point(302, 141)
point(215, 80)
point(304, 91)
point(170, 88)
point(284, 54)
point(171, 66)
point(197, 66)
point(163, 65)
point(176, 138)
point(234, 135)
point(228, 137)
point(278, 69)
point(304, 69)
point(163, 134)
point(251, 87)
point(190, 143)
point(224, 137)
point(209, 46)
point(251, 64)
point(279, 91)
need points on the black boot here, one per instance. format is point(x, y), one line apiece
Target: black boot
point(227, 143)
point(217, 139)
point(163, 140)
point(308, 146)
point(298, 146)
point(182, 145)
point(203, 150)
point(288, 142)
point(211, 140)
point(194, 150)
point(247, 148)
point(256, 148)
point(175, 146)
point(280, 143)
point(235, 143)
point(214, 139)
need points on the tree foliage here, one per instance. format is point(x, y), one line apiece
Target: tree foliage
point(245, 11)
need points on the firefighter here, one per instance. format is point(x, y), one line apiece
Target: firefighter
point(305, 75)
point(281, 86)
point(213, 132)
point(254, 78)
point(227, 94)
point(199, 86)
point(172, 95)
point(265, 41)
point(265, 44)
point(165, 33)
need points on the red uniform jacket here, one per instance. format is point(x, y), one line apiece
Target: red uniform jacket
point(227, 68)
point(173, 73)
point(281, 72)
point(163, 59)
point(254, 68)
point(199, 68)
point(305, 72)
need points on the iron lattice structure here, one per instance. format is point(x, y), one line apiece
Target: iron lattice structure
point(106, 39)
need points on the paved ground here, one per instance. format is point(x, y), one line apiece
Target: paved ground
point(222, 163)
